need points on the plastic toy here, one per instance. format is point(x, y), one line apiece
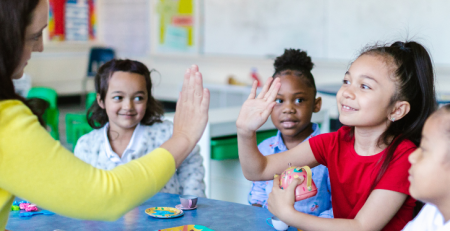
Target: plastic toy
point(23, 205)
point(304, 190)
point(29, 214)
point(31, 208)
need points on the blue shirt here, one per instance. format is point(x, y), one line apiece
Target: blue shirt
point(319, 205)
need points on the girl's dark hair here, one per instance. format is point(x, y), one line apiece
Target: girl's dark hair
point(97, 116)
point(295, 62)
point(414, 78)
point(15, 16)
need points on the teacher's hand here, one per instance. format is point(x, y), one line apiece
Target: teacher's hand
point(191, 116)
point(281, 201)
point(255, 111)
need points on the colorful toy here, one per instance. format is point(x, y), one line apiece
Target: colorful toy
point(304, 190)
point(31, 208)
point(29, 214)
point(23, 205)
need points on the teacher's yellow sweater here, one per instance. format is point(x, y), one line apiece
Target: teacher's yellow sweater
point(35, 167)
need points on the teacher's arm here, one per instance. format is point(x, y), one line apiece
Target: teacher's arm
point(37, 168)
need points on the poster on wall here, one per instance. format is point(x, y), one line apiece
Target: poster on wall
point(72, 20)
point(175, 26)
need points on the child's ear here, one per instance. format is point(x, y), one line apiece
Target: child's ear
point(317, 104)
point(100, 102)
point(401, 108)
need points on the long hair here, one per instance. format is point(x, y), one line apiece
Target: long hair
point(414, 78)
point(97, 116)
point(15, 16)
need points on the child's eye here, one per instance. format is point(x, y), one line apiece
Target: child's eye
point(138, 98)
point(363, 86)
point(345, 81)
point(299, 100)
point(37, 37)
point(117, 97)
point(278, 101)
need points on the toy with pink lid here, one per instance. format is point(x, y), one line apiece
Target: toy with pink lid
point(306, 188)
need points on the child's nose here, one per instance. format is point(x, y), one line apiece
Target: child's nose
point(348, 92)
point(413, 156)
point(288, 108)
point(128, 104)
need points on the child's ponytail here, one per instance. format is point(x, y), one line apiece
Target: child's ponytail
point(414, 78)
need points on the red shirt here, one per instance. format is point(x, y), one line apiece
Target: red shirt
point(352, 175)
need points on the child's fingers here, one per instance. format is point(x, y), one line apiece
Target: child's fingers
point(293, 184)
point(276, 182)
point(273, 91)
point(253, 91)
point(266, 86)
point(268, 110)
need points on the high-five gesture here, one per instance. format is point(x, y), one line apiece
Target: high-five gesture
point(255, 111)
point(191, 116)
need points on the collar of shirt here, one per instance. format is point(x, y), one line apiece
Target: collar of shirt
point(134, 140)
point(279, 146)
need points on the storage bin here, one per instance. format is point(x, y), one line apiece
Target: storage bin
point(223, 148)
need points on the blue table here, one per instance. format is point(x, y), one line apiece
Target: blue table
point(214, 214)
point(332, 89)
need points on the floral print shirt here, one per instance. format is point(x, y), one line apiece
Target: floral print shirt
point(94, 148)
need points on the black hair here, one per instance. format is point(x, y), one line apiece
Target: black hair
point(295, 62)
point(15, 16)
point(97, 116)
point(414, 79)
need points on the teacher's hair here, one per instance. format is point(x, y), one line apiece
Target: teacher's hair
point(15, 16)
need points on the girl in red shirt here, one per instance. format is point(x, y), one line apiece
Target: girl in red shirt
point(386, 96)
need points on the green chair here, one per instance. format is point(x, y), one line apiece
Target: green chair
point(52, 113)
point(76, 123)
point(91, 97)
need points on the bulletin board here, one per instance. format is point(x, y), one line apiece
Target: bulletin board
point(175, 26)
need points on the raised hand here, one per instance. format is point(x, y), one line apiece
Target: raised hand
point(191, 116)
point(255, 111)
point(191, 113)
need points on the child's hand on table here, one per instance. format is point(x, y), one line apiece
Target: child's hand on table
point(281, 201)
point(255, 111)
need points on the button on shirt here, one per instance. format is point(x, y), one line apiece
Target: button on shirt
point(319, 205)
point(94, 148)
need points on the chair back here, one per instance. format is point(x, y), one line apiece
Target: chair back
point(97, 57)
point(45, 93)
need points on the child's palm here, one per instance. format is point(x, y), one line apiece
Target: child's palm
point(255, 111)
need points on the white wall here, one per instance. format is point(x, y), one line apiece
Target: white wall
point(331, 31)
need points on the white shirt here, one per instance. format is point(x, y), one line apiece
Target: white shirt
point(429, 219)
point(94, 148)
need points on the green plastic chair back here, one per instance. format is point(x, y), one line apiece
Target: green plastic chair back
point(91, 97)
point(51, 115)
point(79, 130)
point(44, 93)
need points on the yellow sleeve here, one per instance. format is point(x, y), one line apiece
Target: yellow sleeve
point(35, 167)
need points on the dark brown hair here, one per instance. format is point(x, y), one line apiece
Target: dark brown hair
point(414, 78)
point(97, 116)
point(295, 62)
point(15, 16)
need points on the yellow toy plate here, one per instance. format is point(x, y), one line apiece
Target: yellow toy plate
point(164, 212)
